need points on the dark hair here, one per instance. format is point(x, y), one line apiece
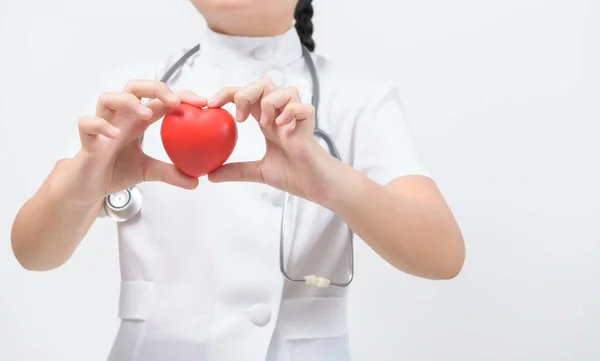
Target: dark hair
point(304, 26)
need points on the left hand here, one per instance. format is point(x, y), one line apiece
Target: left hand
point(294, 161)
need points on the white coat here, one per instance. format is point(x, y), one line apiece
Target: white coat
point(200, 269)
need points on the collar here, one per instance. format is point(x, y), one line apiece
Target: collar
point(240, 52)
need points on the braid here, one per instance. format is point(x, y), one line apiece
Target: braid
point(304, 26)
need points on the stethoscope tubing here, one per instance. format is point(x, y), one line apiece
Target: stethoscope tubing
point(123, 210)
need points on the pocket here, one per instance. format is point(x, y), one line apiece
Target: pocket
point(319, 349)
point(315, 329)
point(127, 341)
point(134, 305)
point(153, 329)
point(134, 342)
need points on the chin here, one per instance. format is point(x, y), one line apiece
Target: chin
point(221, 5)
point(246, 17)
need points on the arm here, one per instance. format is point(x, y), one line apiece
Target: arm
point(50, 225)
point(406, 222)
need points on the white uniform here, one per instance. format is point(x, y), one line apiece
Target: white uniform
point(200, 269)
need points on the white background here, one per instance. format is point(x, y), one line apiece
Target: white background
point(503, 98)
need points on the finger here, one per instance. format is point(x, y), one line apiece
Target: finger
point(252, 94)
point(238, 172)
point(90, 127)
point(227, 95)
point(223, 97)
point(152, 89)
point(273, 102)
point(192, 98)
point(123, 102)
point(159, 109)
point(243, 98)
point(295, 111)
point(157, 171)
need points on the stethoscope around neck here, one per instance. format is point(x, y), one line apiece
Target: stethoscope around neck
point(127, 204)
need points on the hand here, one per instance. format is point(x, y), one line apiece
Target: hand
point(294, 161)
point(110, 158)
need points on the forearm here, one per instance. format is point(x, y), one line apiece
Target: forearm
point(417, 236)
point(49, 226)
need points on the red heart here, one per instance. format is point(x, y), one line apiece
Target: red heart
point(198, 141)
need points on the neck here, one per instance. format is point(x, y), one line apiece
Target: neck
point(251, 27)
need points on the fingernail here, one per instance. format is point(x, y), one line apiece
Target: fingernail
point(263, 119)
point(238, 115)
point(212, 100)
point(144, 110)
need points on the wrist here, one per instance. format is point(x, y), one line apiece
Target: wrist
point(63, 184)
point(340, 184)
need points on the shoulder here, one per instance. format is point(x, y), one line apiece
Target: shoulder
point(355, 90)
point(339, 78)
point(114, 79)
point(147, 68)
point(366, 115)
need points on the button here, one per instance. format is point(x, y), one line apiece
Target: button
point(263, 52)
point(276, 76)
point(260, 314)
point(119, 199)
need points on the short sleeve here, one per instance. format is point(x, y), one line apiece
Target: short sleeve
point(383, 147)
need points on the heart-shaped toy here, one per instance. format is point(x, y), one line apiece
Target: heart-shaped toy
point(198, 140)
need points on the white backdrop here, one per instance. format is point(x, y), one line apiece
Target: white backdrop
point(503, 98)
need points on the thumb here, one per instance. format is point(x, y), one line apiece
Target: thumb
point(157, 171)
point(238, 172)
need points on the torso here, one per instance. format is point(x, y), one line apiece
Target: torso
point(200, 269)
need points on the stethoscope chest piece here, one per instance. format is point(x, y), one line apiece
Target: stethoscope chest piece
point(123, 205)
point(126, 204)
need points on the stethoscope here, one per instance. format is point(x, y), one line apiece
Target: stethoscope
point(126, 204)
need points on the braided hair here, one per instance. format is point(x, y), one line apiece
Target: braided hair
point(304, 26)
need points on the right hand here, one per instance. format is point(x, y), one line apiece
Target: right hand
point(110, 158)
